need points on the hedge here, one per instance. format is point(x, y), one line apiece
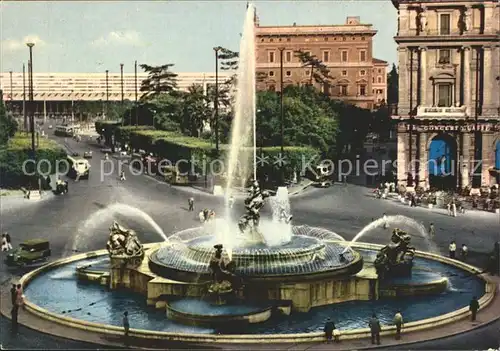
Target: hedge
point(123, 133)
point(17, 151)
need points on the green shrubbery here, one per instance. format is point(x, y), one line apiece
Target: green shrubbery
point(17, 151)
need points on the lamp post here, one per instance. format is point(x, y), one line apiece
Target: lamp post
point(107, 92)
point(11, 97)
point(281, 49)
point(136, 100)
point(216, 98)
point(25, 116)
point(32, 112)
point(121, 84)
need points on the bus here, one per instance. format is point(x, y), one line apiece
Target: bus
point(67, 130)
point(78, 168)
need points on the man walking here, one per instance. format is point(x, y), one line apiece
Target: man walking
point(126, 324)
point(464, 251)
point(191, 204)
point(13, 294)
point(375, 328)
point(448, 207)
point(473, 308)
point(328, 329)
point(432, 231)
point(398, 322)
point(386, 225)
point(453, 249)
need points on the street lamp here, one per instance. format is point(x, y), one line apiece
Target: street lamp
point(216, 99)
point(32, 112)
point(107, 92)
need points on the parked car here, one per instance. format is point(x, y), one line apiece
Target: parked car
point(30, 251)
point(50, 126)
point(87, 154)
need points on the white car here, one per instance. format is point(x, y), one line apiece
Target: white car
point(50, 126)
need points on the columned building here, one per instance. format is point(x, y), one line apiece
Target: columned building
point(449, 93)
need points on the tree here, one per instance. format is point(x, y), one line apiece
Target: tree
point(160, 80)
point(8, 125)
point(195, 111)
point(309, 119)
point(319, 72)
point(392, 85)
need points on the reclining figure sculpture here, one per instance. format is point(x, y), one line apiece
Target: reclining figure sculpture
point(395, 259)
point(253, 204)
point(123, 242)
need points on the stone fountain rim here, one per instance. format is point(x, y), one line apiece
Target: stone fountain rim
point(419, 325)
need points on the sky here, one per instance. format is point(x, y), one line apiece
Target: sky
point(92, 36)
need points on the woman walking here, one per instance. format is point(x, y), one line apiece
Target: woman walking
point(9, 242)
point(4, 242)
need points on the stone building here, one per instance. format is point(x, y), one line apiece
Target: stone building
point(345, 49)
point(449, 96)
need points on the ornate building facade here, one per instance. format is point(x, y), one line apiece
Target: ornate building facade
point(449, 93)
point(346, 50)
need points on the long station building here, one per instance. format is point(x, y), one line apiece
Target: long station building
point(55, 93)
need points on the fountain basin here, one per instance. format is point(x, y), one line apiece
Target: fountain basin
point(105, 317)
point(302, 258)
point(196, 312)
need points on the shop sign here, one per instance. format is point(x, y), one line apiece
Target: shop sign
point(481, 127)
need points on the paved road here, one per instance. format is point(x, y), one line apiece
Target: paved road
point(78, 220)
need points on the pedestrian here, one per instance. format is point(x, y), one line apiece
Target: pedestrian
point(448, 207)
point(191, 204)
point(328, 329)
point(454, 208)
point(4, 242)
point(126, 324)
point(231, 201)
point(398, 322)
point(375, 328)
point(473, 308)
point(464, 251)
point(122, 176)
point(19, 295)
point(13, 294)
point(201, 215)
point(432, 231)
point(453, 249)
point(9, 241)
point(205, 214)
point(386, 225)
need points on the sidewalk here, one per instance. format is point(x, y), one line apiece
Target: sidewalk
point(485, 317)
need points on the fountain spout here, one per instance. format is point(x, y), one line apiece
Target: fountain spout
point(249, 222)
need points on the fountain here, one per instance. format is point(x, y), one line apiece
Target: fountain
point(228, 277)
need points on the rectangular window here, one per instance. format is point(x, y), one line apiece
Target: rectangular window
point(379, 79)
point(288, 56)
point(444, 24)
point(344, 73)
point(344, 56)
point(444, 95)
point(271, 57)
point(343, 90)
point(444, 56)
point(362, 56)
point(362, 90)
point(288, 73)
point(326, 56)
point(362, 72)
point(271, 73)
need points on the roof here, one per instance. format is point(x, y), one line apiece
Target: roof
point(33, 242)
point(379, 61)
